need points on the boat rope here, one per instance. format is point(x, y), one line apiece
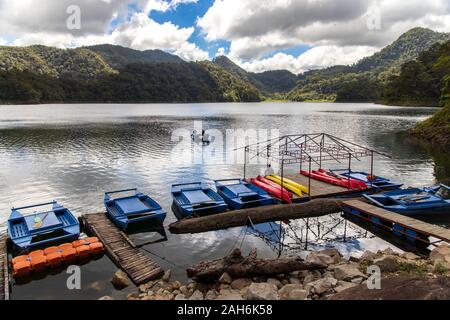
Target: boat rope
point(164, 258)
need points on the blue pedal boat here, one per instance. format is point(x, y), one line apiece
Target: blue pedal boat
point(379, 183)
point(196, 199)
point(42, 228)
point(132, 210)
point(239, 194)
point(414, 201)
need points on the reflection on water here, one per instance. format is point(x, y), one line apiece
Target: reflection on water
point(73, 153)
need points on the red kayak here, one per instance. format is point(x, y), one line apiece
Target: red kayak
point(354, 183)
point(316, 175)
point(272, 190)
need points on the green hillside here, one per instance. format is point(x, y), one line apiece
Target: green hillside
point(346, 83)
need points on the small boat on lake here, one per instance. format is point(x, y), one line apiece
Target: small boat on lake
point(272, 188)
point(414, 201)
point(239, 194)
point(132, 210)
point(196, 199)
point(291, 185)
point(328, 177)
point(377, 182)
point(42, 228)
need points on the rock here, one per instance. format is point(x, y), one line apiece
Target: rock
point(319, 258)
point(333, 253)
point(167, 275)
point(311, 276)
point(224, 286)
point(347, 272)
point(322, 286)
point(133, 296)
point(387, 263)
point(368, 256)
point(388, 251)
point(297, 294)
point(358, 280)
point(344, 285)
point(354, 259)
point(197, 295)
point(275, 282)
point(120, 280)
point(441, 256)
point(176, 285)
point(97, 286)
point(183, 290)
point(229, 295)
point(143, 288)
point(294, 280)
point(240, 284)
point(285, 292)
point(180, 297)
point(225, 278)
point(105, 298)
point(400, 288)
point(210, 295)
point(410, 256)
point(262, 291)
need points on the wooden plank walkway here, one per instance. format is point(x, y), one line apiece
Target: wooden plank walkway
point(139, 267)
point(319, 189)
point(4, 273)
point(404, 221)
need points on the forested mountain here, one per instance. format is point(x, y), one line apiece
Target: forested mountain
point(269, 82)
point(107, 73)
point(119, 57)
point(421, 81)
point(364, 81)
point(77, 63)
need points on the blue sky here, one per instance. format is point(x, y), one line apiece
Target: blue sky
point(258, 35)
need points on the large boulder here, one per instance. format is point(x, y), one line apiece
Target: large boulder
point(240, 284)
point(319, 258)
point(225, 278)
point(226, 294)
point(262, 291)
point(347, 272)
point(400, 288)
point(441, 256)
point(322, 286)
point(120, 280)
point(197, 295)
point(293, 292)
point(333, 253)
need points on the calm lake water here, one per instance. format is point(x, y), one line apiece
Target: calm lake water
point(73, 153)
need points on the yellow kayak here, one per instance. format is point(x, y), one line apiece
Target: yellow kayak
point(293, 186)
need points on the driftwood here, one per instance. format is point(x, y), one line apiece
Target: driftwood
point(238, 266)
point(238, 218)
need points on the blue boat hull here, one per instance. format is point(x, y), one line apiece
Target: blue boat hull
point(132, 211)
point(239, 194)
point(42, 229)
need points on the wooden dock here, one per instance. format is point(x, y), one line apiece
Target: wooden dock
point(320, 189)
point(139, 267)
point(4, 272)
point(409, 223)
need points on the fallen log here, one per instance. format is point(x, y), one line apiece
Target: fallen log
point(238, 266)
point(238, 218)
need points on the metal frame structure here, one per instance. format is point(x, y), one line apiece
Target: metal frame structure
point(310, 148)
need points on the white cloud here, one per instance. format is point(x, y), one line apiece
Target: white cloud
point(315, 58)
point(220, 52)
point(136, 30)
point(258, 27)
point(3, 42)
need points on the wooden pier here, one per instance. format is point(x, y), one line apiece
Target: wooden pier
point(392, 218)
point(4, 272)
point(139, 267)
point(320, 189)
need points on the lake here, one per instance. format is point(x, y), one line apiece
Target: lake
point(74, 153)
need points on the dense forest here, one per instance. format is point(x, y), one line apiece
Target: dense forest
point(403, 72)
point(365, 80)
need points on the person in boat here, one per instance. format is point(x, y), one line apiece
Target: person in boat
point(269, 170)
point(193, 135)
point(203, 136)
